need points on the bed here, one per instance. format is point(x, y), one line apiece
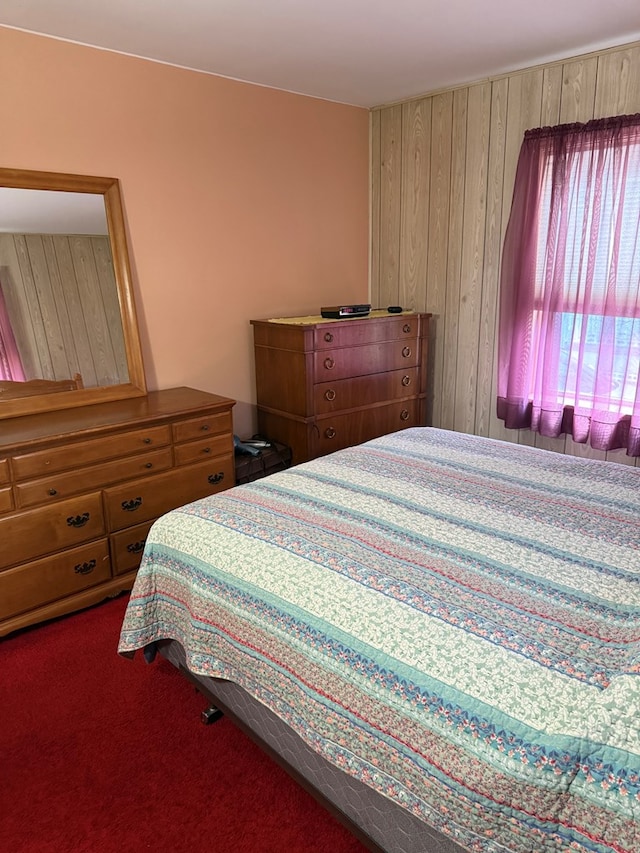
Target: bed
point(441, 632)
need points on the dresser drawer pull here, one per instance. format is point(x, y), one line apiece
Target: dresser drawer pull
point(206, 450)
point(330, 394)
point(53, 492)
point(78, 520)
point(329, 432)
point(328, 337)
point(406, 380)
point(404, 415)
point(85, 568)
point(216, 478)
point(329, 363)
point(406, 328)
point(136, 547)
point(148, 465)
point(146, 441)
point(406, 352)
point(132, 505)
point(205, 427)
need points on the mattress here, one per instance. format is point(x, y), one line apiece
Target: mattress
point(452, 621)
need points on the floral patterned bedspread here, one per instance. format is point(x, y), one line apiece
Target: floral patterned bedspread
point(453, 620)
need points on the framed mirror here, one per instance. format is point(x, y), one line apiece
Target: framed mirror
point(68, 327)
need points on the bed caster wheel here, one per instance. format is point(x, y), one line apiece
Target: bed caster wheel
point(210, 715)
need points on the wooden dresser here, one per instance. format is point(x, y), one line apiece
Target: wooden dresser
point(323, 385)
point(80, 488)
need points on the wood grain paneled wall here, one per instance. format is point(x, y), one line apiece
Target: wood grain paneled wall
point(62, 301)
point(443, 168)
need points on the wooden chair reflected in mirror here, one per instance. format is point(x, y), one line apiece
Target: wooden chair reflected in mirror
point(12, 390)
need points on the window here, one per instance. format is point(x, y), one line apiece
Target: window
point(569, 345)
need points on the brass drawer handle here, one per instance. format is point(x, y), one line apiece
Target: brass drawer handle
point(406, 352)
point(330, 394)
point(85, 568)
point(78, 520)
point(406, 328)
point(329, 432)
point(406, 380)
point(328, 337)
point(404, 415)
point(136, 547)
point(216, 478)
point(132, 505)
point(329, 363)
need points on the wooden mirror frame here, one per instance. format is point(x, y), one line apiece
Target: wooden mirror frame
point(109, 188)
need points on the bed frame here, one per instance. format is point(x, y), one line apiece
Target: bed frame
point(381, 825)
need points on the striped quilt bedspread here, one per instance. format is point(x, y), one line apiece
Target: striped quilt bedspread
point(453, 620)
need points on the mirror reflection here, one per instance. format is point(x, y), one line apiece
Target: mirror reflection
point(60, 319)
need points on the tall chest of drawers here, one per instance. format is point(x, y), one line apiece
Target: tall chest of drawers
point(80, 488)
point(323, 385)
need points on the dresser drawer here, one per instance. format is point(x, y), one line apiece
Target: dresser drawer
point(339, 431)
point(330, 365)
point(43, 581)
point(48, 489)
point(127, 547)
point(35, 532)
point(364, 390)
point(6, 500)
point(357, 332)
point(150, 497)
point(80, 453)
point(4, 471)
point(192, 428)
point(205, 448)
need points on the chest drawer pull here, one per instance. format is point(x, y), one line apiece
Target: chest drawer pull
point(148, 465)
point(406, 380)
point(216, 478)
point(132, 505)
point(406, 352)
point(328, 337)
point(85, 568)
point(205, 427)
point(329, 432)
point(329, 363)
point(136, 547)
point(53, 492)
point(404, 415)
point(146, 441)
point(330, 394)
point(78, 520)
point(406, 328)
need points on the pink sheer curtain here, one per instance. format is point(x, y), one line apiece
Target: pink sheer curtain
point(569, 338)
point(10, 362)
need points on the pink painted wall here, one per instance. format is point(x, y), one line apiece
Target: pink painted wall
point(241, 202)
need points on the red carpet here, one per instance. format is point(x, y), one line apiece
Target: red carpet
point(98, 753)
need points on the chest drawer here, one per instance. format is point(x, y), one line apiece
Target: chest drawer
point(356, 333)
point(339, 431)
point(192, 428)
point(330, 365)
point(35, 532)
point(42, 581)
point(205, 448)
point(150, 497)
point(6, 500)
point(80, 453)
point(127, 547)
point(4, 471)
point(48, 489)
point(364, 390)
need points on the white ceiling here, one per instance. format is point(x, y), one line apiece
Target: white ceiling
point(361, 52)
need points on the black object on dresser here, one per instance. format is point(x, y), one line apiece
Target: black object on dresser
point(323, 385)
